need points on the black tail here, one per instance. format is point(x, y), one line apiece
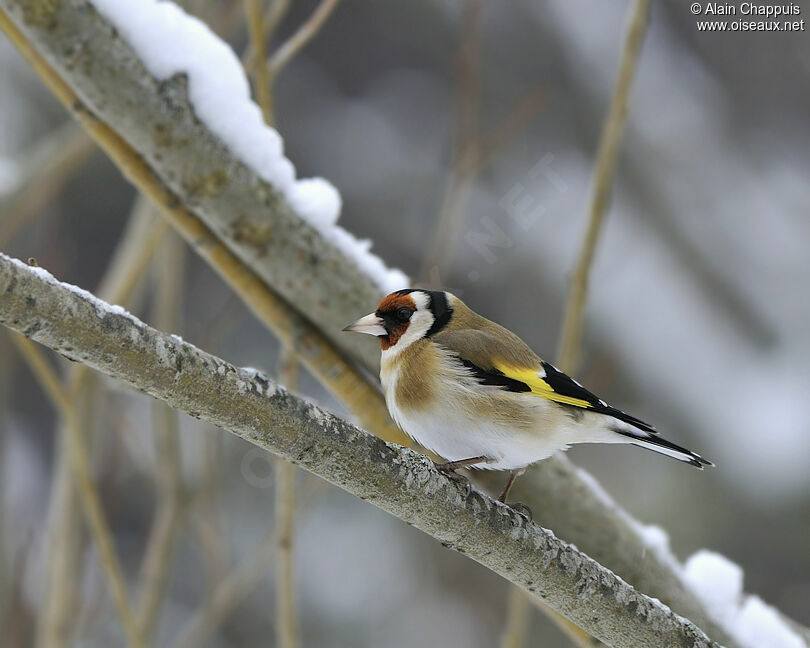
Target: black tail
point(653, 442)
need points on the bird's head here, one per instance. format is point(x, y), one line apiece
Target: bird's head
point(405, 316)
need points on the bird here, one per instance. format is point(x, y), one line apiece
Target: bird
point(472, 392)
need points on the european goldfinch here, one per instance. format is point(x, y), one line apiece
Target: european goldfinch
point(474, 393)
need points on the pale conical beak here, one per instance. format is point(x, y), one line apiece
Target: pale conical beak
point(370, 324)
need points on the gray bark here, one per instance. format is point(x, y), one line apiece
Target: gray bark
point(396, 479)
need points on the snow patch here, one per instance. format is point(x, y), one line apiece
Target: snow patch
point(171, 42)
point(760, 625)
point(718, 583)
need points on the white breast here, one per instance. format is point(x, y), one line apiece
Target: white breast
point(449, 428)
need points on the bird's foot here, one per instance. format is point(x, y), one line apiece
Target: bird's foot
point(522, 509)
point(449, 471)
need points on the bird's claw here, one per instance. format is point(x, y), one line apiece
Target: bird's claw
point(522, 509)
point(450, 473)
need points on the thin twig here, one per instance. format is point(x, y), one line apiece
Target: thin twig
point(210, 529)
point(168, 277)
point(516, 627)
point(286, 614)
point(466, 148)
point(141, 238)
point(142, 235)
point(303, 35)
point(229, 593)
point(87, 490)
point(64, 542)
point(510, 125)
point(44, 373)
point(275, 14)
point(45, 170)
point(602, 183)
point(257, 69)
point(468, 73)
point(472, 150)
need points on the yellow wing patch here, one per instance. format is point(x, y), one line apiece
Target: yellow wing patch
point(540, 386)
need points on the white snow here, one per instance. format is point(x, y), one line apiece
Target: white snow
point(758, 624)
point(718, 583)
point(102, 307)
point(657, 541)
point(171, 42)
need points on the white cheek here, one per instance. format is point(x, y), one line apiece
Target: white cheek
point(419, 325)
point(420, 322)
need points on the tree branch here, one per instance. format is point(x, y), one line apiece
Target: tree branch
point(158, 122)
point(285, 501)
point(256, 67)
point(397, 480)
point(606, 158)
point(167, 277)
point(303, 35)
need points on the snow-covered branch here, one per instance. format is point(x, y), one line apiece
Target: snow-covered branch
point(187, 111)
point(402, 482)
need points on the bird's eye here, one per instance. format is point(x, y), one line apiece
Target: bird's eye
point(404, 314)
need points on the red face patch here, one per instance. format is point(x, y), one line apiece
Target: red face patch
point(388, 311)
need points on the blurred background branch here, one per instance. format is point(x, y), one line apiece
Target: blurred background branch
point(42, 173)
point(604, 171)
point(284, 520)
point(167, 280)
point(472, 149)
point(88, 494)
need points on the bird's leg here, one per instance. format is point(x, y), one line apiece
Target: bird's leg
point(508, 487)
point(449, 469)
point(450, 466)
point(517, 506)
